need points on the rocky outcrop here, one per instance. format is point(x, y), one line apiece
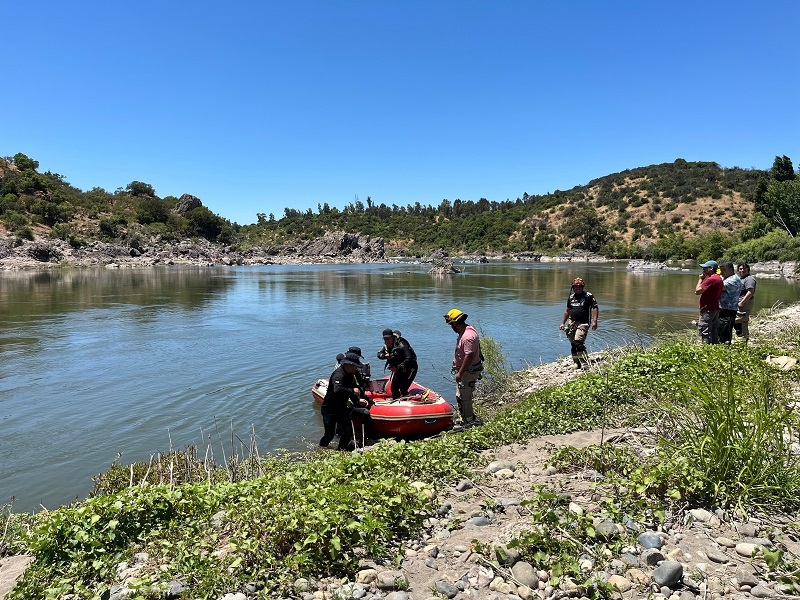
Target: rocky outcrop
point(186, 203)
point(442, 263)
point(139, 251)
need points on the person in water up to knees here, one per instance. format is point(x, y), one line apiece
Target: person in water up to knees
point(581, 309)
point(401, 360)
point(467, 363)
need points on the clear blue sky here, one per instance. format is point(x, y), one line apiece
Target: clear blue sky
point(257, 105)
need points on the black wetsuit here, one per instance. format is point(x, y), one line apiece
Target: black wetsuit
point(401, 356)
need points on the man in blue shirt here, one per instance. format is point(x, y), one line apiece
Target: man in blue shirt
point(728, 301)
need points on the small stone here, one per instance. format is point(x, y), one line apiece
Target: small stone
point(525, 593)
point(391, 580)
point(716, 555)
point(748, 530)
point(498, 465)
point(607, 529)
point(651, 557)
point(701, 514)
point(446, 588)
point(479, 521)
point(551, 471)
point(510, 501)
point(668, 574)
point(506, 556)
point(686, 595)
point(444, 510)
point(460, 548)
point(620, 583)
point(397, 596)
point(725, 542)
point(746, 549)
point(504, 474)
point(650, 540)
point(629, 559)
point(364, 577)
point(464, 485)
point(431, 564)
point(762, 591)
point(745, 576)
point(525, 574)
point(575, 509)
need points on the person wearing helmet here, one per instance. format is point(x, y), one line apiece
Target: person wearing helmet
point(467, 363)
point(401, 360)
point(581, 310)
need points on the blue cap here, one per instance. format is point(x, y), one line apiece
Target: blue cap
point(710, 263)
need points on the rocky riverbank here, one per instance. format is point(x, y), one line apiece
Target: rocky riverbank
point(47, 253)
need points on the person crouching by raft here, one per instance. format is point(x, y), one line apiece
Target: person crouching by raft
point(401, 360)
point(342, 397)
point(467, 364)
point(581, 309)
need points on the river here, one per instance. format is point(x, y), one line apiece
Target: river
point(99, 362)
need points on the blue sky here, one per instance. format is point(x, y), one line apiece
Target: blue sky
point(254, 106)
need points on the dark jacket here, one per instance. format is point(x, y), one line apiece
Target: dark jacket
point(401, 355)
point(340, 395)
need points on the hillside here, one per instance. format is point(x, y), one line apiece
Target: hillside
point(621, 215)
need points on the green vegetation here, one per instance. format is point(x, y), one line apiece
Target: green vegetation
point(722, 436)
point(679, 210)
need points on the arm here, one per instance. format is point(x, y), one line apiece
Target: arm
point(564, 319)
point(699, 287)
point(748, 296)
point(596, 314)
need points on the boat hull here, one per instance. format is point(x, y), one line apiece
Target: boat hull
point(422, 413)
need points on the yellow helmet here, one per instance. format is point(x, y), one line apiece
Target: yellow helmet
point(454, 316)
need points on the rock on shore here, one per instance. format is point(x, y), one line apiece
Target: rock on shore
point(42, 252)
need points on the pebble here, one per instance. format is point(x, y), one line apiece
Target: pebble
point(620, 583)
point(650, 540)
point(716, 556)
point(762, 591)
point(479, 521)
point(446, 588)
point(498, 465)
point(746, 549)
point(668, 573)
point(725, 542)
point(525, 574)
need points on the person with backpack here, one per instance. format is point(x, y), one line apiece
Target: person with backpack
point(467, 364)
point(400, 359)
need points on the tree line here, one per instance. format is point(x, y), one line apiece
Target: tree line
point(645, 212)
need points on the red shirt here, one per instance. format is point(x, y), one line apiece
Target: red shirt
point(712, 290)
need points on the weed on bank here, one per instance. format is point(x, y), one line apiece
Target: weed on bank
point(723, 432)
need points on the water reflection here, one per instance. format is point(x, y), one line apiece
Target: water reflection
point(100, 362)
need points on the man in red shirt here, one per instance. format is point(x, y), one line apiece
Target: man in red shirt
point(709, 288)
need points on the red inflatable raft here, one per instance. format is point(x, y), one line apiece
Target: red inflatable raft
point(422, 412)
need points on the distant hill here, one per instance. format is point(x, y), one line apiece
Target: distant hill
point(620, 213)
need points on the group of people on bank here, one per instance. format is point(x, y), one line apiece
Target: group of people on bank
point(726, 300)
point(346, 394)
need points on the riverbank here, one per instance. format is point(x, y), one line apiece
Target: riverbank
point(332, 248)
point(464, 548)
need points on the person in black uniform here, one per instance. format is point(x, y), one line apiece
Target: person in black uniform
point(343, 395)
point(401, 360)
point(581, 309)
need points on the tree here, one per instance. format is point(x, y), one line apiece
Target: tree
point(586, 229)
point(139, 188)
point(782, 168)
point(151, 210)
point(24, 163)
point(782, 205)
